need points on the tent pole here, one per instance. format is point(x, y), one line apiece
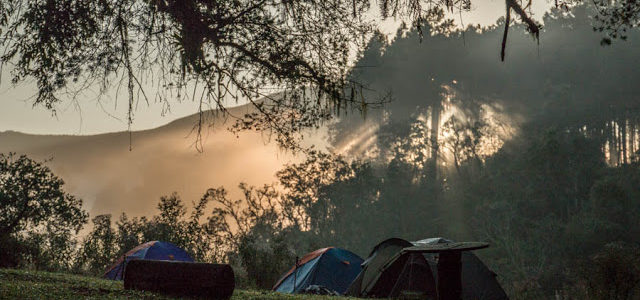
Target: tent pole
point(295, 275)
point(121, 271)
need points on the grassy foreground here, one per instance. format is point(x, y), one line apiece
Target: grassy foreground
point(22, 284)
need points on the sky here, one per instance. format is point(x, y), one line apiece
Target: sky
point(109, 114)
point(111, 179)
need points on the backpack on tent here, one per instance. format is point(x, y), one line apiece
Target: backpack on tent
point(154, 250)
point(331, 268)
point(389, 271)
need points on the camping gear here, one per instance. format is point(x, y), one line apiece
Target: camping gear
point(319, 290)
point(331, 268)
point(398, 268)
point(154, 250)
point(211, 281)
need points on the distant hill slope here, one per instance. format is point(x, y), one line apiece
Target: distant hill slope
point(111, 179)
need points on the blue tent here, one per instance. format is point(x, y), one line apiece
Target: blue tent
point(333, 268)
point(154, 250)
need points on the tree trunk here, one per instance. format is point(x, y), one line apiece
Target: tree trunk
point(632, 139)
point(435, 127)
point(623, 135)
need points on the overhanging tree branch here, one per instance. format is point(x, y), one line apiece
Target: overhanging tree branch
point(532, 26)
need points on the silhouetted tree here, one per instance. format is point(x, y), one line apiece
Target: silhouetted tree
point(213, 51)
point(36, 213)
point(105, 243)
point(99, 248)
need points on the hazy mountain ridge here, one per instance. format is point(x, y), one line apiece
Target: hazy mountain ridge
point(102, 171)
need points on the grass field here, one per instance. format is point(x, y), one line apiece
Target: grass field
point(22, 284)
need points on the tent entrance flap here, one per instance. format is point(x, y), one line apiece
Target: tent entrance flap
point(330, 268)
point(450, 275)
point(415, 279)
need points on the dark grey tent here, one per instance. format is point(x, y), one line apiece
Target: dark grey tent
point(478, 282)
point(390, 271)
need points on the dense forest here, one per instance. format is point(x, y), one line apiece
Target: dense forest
point(538, 156)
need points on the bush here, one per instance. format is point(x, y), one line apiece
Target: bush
point(265, 257)
point(11, 248)
point(612, 273)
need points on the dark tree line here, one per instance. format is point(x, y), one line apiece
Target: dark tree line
point(569, 82)
point(557, 216)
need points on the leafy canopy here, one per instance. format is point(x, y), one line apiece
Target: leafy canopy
point(297, 54)
point(32, 197)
